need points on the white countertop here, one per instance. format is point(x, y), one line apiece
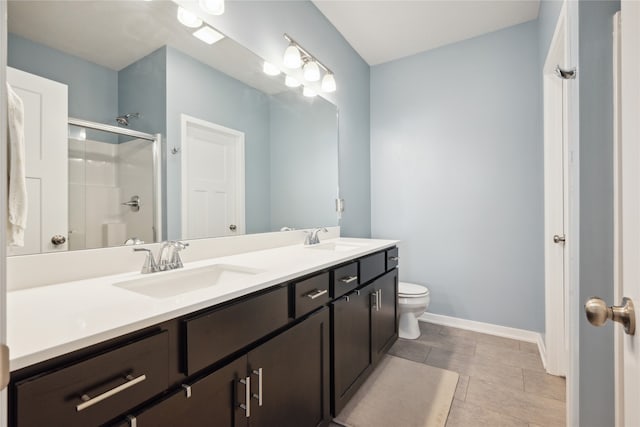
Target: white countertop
point(49, 321)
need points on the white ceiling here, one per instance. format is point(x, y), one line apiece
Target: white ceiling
point(385, 30)
point(115, 34)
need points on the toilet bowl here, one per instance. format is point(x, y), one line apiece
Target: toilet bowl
point(413, 301)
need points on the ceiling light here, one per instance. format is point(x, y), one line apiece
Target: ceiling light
point(270, 69)
point(208, 35)
point(214, 7)
point(311, 71)
point(308, 92)
point(188, 18)
point(329, 83)
point(292, 57)
point(291, 82)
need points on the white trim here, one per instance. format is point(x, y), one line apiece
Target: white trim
point(486, 328)
point(240, 170)
point(573, 255)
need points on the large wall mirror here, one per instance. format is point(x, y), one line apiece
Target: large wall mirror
point(238, 151)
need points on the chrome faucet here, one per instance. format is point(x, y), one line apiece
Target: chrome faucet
point(168, 257)
point(312, 236)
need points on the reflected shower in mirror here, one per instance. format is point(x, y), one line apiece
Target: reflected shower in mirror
point(241, 151)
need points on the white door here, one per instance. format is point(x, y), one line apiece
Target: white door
point(212, 180)
point(556, 204)
point(628, 346)
point(45, 131)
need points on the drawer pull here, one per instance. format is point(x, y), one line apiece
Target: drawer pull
point(349, 279)
point(187, 390)
point(317, 293)
point(258, 396)
point(247, 396)
point(90, 401)
point(133, 422)
point(393, 258)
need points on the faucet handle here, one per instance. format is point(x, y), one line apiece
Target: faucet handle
point(176, 261)
point(149, 265)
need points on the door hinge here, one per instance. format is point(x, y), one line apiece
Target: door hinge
point(569, 74)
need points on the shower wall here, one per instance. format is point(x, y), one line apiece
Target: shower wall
point(101, 177)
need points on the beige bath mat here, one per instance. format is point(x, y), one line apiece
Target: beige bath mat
point(401, 393)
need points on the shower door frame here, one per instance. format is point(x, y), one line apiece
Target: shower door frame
point(157, 162)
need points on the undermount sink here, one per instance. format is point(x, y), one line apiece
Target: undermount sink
point(176, 282)
point(335, 246)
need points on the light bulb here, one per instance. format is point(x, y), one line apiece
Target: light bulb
point(291, 82)
point(270, 69)
point(214, 7)
point(311, 71)
point(329, 83)
point(292, 57)
point(308, 92)
point(188, 18)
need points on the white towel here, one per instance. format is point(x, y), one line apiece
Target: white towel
point(17, 198)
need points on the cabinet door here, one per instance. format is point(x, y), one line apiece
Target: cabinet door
point(210, 401)
point(351, 343)
point(384, 320)
point(295, 376)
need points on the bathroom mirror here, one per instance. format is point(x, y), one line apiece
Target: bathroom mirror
point(241, 152)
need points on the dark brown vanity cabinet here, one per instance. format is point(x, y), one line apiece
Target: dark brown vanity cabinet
point(283, 382)
point(364, 326)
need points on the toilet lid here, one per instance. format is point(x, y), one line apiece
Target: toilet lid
point(411, 289)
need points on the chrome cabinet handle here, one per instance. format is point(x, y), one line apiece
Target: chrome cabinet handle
point(376, 306)
point(88, 401)
point(316, 293)
point(349, 279)
point(259, 395)
point(393, 258)
point(247, 396)
point(379, 298)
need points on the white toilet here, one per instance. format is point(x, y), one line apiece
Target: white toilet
point(413, 301)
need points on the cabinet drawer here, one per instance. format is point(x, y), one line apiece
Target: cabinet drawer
point(311, 294)
point(219, 333)
point(95, 390)
point(345, 279)
point(392, 258)
point(372, 266)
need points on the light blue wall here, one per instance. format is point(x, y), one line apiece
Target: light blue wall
point(141, 89)
point(457, 174)
point(547, 20)
point(198, 90)
point(596, 207)
point(259, 25)
point(304, 161)
point(93, 89)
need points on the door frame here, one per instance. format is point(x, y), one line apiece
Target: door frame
point(3, 196)
point(617, 219)
point(627, 363)
point(238, 137)
point(556, 296)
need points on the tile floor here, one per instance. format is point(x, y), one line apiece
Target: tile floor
point(502, 381)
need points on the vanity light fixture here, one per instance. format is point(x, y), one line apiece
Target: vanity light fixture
point(269, 69)
point(214, 7)
point(295, 56)
point(188, 18)
point(292, 57)
point(311, 71)
point(328, 83)
point(309, 92)
point(291, 82)
point(208, 35)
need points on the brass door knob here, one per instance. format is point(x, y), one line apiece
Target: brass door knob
point(598, 313)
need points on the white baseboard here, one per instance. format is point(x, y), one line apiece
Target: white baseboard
point(490, 329)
